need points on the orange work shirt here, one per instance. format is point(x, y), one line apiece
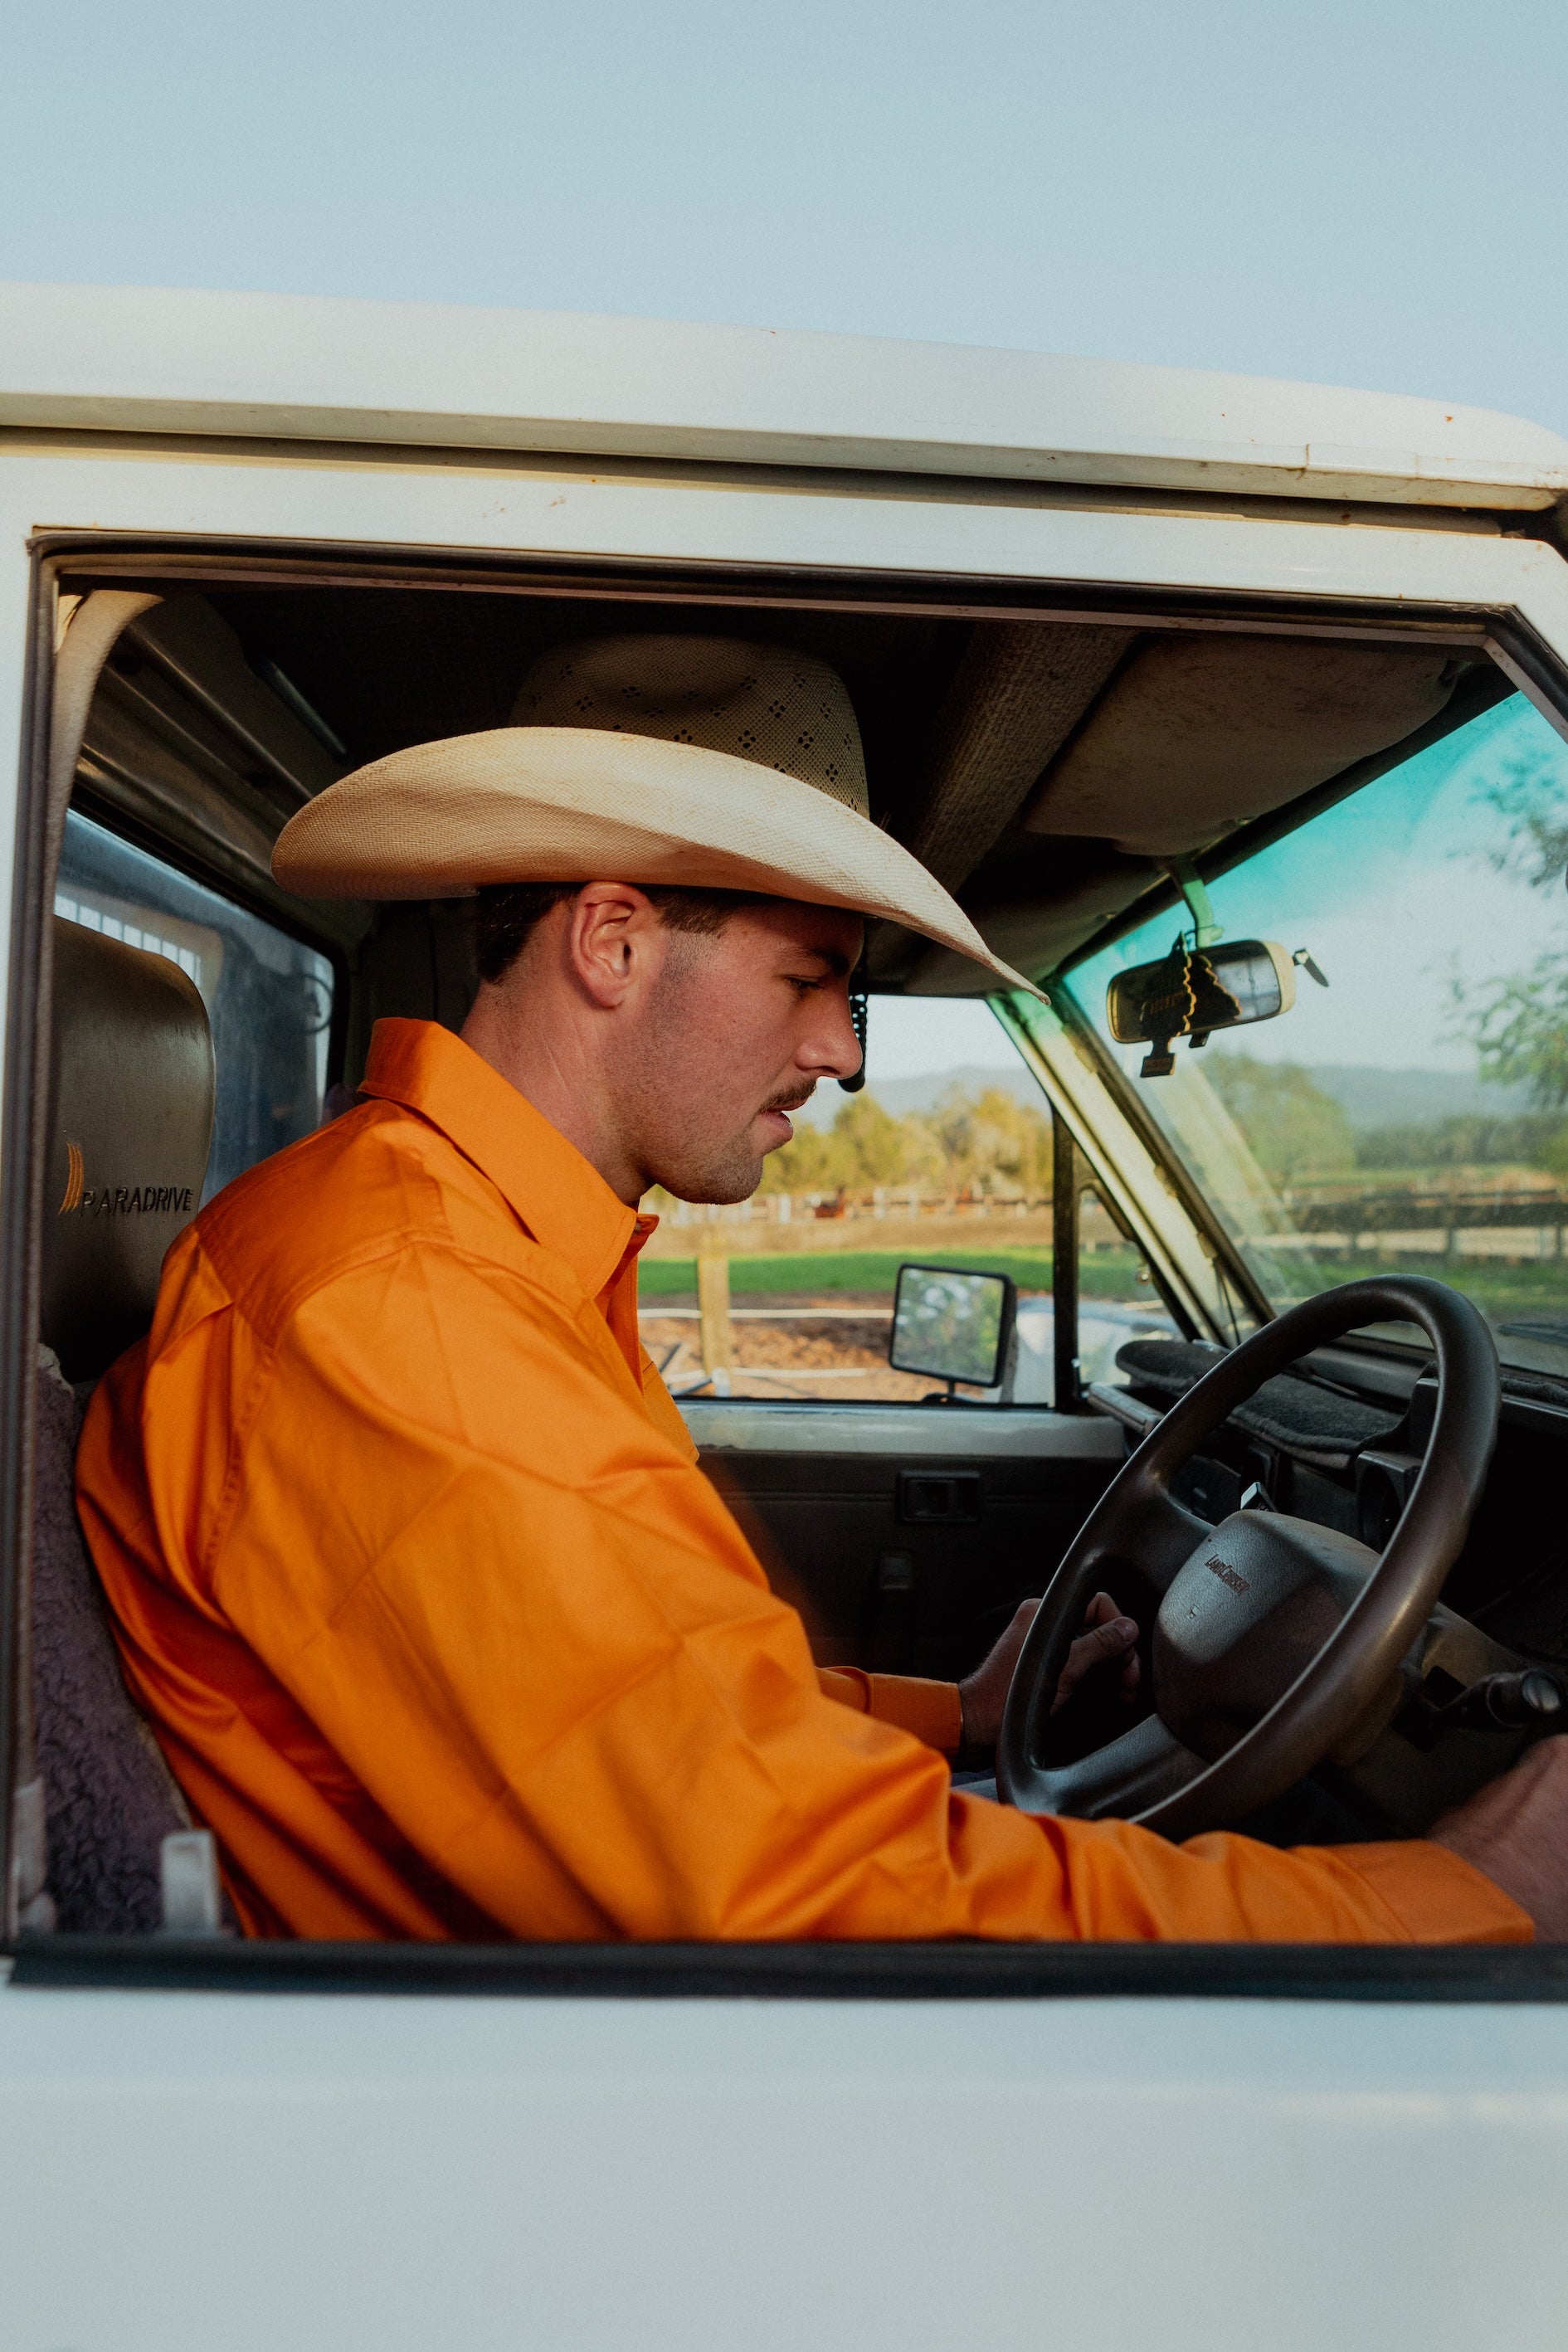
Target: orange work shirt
point(445, 1633)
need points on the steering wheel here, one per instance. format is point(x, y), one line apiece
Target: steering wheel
point(1275, 1639)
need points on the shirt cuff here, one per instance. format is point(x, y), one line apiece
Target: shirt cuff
point(1436, 1897)
point(931, 1711)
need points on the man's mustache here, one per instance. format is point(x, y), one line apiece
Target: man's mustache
point(796, 1099)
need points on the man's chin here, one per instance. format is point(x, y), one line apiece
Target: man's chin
point(719, 1187)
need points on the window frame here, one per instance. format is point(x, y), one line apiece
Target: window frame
point(1451, 1975)
point(76, 560)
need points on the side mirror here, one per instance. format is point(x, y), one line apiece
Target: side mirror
point(953, 1326)
point(1195, 990)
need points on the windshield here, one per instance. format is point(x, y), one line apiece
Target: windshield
point(1412, 1115)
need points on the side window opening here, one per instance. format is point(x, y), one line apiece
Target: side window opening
point(977, 1152)
point(944, 1157)
point(270, 997)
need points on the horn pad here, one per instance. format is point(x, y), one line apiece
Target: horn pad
point(1246, 1614)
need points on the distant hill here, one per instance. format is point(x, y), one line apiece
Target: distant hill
point(1373, 1097)
point(901, 1096)
point(1370, 1097)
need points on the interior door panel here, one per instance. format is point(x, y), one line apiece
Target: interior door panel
point(905, 1534)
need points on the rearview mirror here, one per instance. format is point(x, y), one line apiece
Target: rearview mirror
point(951, 1325)
point(1195, 990)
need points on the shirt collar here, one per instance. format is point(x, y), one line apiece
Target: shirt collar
point(565, 1201)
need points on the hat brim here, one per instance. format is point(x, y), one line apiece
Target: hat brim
point(579, 803)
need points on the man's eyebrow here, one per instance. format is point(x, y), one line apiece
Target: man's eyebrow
point(836, 962)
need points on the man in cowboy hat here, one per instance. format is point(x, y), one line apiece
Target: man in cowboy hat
point(441, 1628)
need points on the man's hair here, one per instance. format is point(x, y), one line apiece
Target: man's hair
point(506, 913)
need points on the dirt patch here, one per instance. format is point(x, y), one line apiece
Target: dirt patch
point(837, 1356)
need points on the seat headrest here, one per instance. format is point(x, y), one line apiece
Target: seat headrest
point(131, 1092)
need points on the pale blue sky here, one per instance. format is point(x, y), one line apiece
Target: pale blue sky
point(1361, 190)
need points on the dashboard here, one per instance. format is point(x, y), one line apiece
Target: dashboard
point(1340, 1442)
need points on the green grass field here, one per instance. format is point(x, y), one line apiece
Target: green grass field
point(1499, 1288)
point(871, 1274)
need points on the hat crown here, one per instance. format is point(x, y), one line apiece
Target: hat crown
point(768, 704)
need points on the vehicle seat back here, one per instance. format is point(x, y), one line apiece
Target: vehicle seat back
point(133, 1087)
point(130, 1114)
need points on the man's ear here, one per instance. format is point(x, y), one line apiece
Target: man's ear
point(614, 933)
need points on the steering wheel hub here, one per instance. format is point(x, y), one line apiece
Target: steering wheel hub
point(1248, 1613)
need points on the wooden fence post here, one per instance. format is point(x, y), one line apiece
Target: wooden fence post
point(713, 1313)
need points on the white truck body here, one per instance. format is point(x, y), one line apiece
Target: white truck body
point(1249, 2162)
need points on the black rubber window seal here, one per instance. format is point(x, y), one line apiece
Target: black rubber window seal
point(1487, 1974)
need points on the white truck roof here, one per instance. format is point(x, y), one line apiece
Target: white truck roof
point(297, 367)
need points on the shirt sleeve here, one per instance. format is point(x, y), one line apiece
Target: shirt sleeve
point(932, 1711)
point(533, 1635)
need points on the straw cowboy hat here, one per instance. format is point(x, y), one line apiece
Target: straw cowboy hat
point(700, 761)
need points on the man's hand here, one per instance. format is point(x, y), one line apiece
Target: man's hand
point(1515, 1830)
point(1106, 1637)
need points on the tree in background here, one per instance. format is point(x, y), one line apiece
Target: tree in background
point(994, 1142)
point(1520, 1028)
point(991, 1143)
point(809, 1164)
point(1519, 1022)
point(1529, 799)
point(1535, 1139)
point(1292, 1128)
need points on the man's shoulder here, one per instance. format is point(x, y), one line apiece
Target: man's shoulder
point(375, 1184)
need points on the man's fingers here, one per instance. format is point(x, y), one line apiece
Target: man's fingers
point(1103, 1617)
point(1098, 1648)
point(1106, 1641)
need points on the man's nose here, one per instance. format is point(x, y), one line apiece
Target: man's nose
point(833, 1051)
